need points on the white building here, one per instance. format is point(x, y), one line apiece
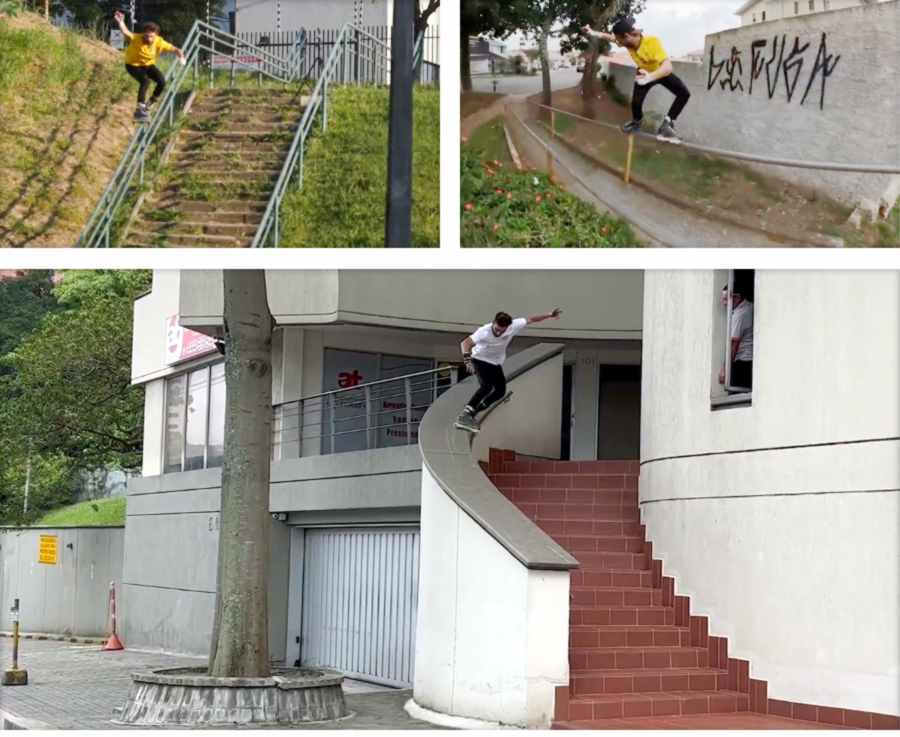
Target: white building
point(759, 11)
point(774, 509)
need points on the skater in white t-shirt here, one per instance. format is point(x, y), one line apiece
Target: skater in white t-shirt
point(484, 352)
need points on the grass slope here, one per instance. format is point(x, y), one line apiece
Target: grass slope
point(99, 512)
point(343, 196)
point(66, 107)
point(503, 207)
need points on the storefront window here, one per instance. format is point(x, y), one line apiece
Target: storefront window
point(195, 419)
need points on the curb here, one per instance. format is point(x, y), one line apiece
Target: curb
point(56, 638)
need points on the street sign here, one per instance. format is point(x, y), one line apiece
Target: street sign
point(48, 550)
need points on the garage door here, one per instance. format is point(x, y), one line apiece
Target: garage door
point(360, 588)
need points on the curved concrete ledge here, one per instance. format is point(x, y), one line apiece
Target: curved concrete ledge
point(448, 721)
point(447, 454)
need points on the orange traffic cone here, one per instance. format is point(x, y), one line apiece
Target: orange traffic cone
point(113, 643)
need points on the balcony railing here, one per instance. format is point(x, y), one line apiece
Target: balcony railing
point(379, 414)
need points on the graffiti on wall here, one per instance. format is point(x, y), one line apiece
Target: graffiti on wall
point(777, 60)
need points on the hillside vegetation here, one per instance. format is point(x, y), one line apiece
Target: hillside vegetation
point(65, 119)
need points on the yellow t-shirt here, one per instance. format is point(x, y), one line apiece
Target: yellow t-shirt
point(650, 54)
point(140, 54)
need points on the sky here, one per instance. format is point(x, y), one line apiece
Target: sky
point(681, 24)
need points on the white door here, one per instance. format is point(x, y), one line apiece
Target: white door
point(360, 589)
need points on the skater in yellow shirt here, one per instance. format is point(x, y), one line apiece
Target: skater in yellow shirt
point(140, 62)
point(654, 68)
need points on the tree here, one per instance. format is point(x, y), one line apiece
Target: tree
point(484, 17)
point(423, 14)
point(599, 14)
point(239, 646)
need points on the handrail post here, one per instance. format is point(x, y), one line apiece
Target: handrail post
point(367, 392)
point(628, 158)
point(332, 423)
point(407, 390)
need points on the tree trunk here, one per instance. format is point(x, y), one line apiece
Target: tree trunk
point(544, 39)
point(465, 61)
point(240, 644)
point(589, 81)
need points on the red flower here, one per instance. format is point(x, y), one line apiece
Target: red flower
point(469, 207)
point(538, 199)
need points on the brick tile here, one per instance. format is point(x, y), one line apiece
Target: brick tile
point(885, 721)
point(665, 707)
point(580, 710)
point(743, 676)
point(829, 715)
point(858, 719)
point(780, 708)
point(561, 703)
point(806, 712)
point(722, 704)
point(607, 709)
point(648, 683)
point(641, 708)
point(759, 701)
point(695, 705)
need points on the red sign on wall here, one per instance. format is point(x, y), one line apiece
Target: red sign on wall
point(183, 344)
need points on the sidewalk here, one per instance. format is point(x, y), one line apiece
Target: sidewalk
point(73, 686)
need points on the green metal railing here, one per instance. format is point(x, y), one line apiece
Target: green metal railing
point(205, 44)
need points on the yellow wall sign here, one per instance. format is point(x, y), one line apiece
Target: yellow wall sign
point(49, 550)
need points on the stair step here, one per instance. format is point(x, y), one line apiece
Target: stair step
point(647, 680)
point(617, 482)
point(601, 543)
point(622, 561)
point(664, 703)
point(630, 468)
point(595, 512)
point(197, 228)
point(211, 241)
point(613, 596)
point(613, 578)
point(591, 636)
point(601, 528)
point(219, 206)
point(628, 616)
point(217, 170)
point(621, 497)
point(637, 657)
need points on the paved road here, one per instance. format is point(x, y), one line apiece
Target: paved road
point(78, 686)
point(560, 79)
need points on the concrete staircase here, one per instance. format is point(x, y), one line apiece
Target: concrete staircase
point(222, 169)
point(636, 653)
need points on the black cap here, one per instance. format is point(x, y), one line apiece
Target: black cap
point(623, 26)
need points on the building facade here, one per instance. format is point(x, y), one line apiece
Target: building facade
point(760, 11)
point(774, 505)
point(287, 15)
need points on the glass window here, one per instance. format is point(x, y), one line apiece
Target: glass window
point(215, 453)
point(175, 394)
point(733, 337)
point(197, 411)
point(195, 420)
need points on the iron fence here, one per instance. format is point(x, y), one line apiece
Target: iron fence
point(378, 414)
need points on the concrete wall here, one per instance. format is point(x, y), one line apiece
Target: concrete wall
point(253, 15)
point(492, 635)
point(172, 537)
point(848, 116)
point(779, 519)
point(69, 597)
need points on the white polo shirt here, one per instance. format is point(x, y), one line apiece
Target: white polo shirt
point(742, 327)
point(491, 348)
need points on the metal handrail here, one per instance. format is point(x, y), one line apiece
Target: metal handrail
point(303, 420)
point(269, 230)
point(727, 154)
point(202, 37)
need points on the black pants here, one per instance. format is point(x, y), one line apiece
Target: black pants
point(742, 374)
point(671, 83)
point(144, 75)
point(491, 385)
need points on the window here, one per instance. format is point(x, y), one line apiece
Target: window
point(754, 17)
point(733, 345)
point(764, 15)
point(195, 420)
point(812, 5)
point(797, 7)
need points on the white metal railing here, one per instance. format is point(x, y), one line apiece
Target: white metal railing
point(377, 414)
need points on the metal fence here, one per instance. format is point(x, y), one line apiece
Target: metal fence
point(379, 414)
point(320, 41)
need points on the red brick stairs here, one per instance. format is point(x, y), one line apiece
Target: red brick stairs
point(635, 650)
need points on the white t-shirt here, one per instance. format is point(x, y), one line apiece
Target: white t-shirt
point(491, 348)
point(742, 327)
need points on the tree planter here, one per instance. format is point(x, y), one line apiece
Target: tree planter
point(188, 697)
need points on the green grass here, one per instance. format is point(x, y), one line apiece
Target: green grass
point(488, 142)
point(342, 201)
point(100, 512)
point(503, 207)
point(51, 85)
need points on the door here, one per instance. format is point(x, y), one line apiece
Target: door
point(360, 590)
point(619, 415)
